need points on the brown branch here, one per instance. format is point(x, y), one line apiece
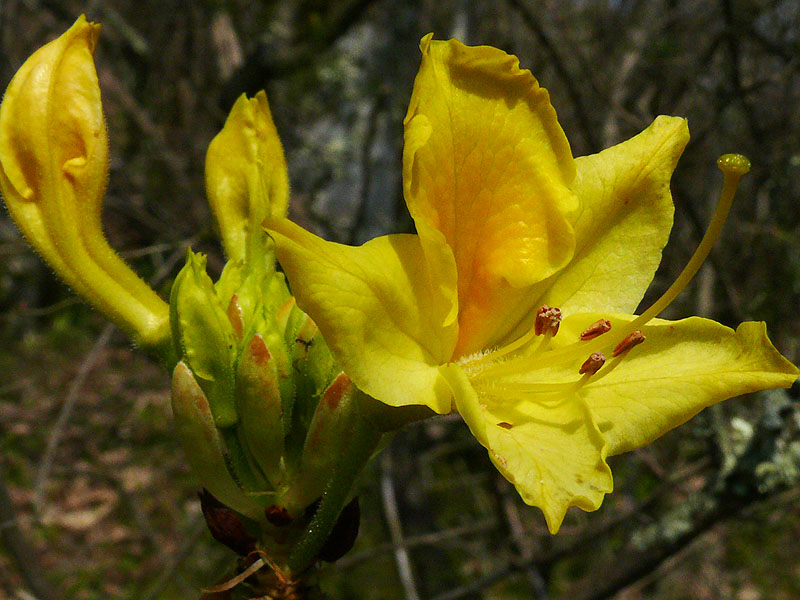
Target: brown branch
point(21, 550)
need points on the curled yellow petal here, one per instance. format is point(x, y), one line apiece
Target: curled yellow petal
point(246, 176)
point(486, 164)
point(53, 170)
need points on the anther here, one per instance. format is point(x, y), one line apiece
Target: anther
point(595, 329)
point(634, 338)
point(593, 363)
point(547, 320)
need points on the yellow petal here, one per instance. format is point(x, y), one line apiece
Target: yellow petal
point(624, 223)
point(551, 451)
point(246, 176)
point(487, 164)
point(379, 310)
point(681, 368)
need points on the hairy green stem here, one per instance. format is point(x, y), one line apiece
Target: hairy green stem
point(365, 437)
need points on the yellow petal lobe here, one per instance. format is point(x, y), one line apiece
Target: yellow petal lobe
point(379, 310)
point(681, 368)
point(624, 222)
point(552, 451)
point(486, 164)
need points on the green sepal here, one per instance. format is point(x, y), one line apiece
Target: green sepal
point(260, 408)
point(230, 280)
point(203, 445)
point(328, 436)
point(203, 332)
point(242, 464)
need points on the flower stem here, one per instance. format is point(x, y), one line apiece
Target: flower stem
point(365, 438)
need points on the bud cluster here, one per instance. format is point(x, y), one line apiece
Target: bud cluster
point(260, 406)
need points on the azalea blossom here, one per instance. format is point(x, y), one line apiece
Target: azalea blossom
point(513, 302)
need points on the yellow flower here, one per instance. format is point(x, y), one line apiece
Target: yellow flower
point(509, 225)
point(53, 172)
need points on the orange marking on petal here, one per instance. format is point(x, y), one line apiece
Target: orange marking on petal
point(336, 390)
point(259, 350)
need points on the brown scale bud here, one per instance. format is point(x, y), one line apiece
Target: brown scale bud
point(225, 525)
point(278, 515)
point(634, 338)
point(547, 320)
point(596, 329)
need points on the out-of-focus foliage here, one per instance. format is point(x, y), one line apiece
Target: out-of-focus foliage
point(112, 513)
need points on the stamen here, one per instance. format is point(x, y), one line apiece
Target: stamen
point(489, 368)
point(634, 338)
point(596, 329)
point(547, 320)
point(592, 364)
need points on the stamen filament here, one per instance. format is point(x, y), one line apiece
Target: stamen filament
point(559, 391)
point(491, 357)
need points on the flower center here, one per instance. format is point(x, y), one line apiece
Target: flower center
point(523, 367)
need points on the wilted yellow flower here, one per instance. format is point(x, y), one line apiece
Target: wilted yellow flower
point(508, 225)
point(53, 172)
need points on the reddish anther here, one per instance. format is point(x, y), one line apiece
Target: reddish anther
point(592, 364)
point(595, 329)
point(634, 338)
point(547, 320)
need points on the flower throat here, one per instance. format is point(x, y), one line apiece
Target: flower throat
point(600, 338)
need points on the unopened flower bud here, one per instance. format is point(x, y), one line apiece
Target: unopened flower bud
point(328, 436)
point(246, 176)
point(205, 337)
point(260, 408)
point(203, 444)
